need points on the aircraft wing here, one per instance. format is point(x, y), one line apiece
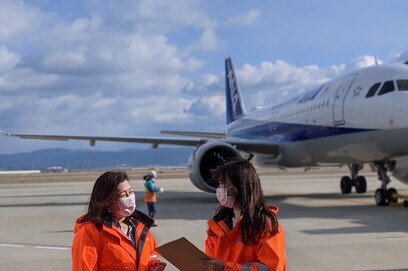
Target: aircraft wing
point(254, 146)
point(194, 134)
point(155, 141)
point(250, 146)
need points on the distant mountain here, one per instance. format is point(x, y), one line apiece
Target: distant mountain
point(94, 159)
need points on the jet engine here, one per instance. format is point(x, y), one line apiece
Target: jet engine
point(206, 158)
point(401, 171)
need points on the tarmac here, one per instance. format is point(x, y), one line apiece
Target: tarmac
point(324, 229)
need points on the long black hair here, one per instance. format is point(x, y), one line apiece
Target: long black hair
point(103, 194)
point(257, 218)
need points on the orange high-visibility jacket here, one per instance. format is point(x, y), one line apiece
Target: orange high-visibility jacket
point(109, 249)
point(226, 244)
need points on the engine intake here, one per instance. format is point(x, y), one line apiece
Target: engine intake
point(206, 158)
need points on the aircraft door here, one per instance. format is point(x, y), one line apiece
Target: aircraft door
point(340, 98)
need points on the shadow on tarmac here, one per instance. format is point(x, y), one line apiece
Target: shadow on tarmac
point(201, 206)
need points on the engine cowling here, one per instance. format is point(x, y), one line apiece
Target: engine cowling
point(401, 171)
point(206, 158)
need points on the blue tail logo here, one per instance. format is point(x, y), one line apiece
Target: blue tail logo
point(235, 106)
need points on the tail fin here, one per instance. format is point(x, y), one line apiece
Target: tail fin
point(235, 105)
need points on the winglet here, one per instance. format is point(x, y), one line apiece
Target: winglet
point(235, 105)
point(4, 133)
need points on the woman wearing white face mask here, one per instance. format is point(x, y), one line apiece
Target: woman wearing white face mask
point(245, 234)
point(113, 235)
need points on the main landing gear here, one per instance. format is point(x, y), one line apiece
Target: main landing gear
point(384, 196)
point(359, 182)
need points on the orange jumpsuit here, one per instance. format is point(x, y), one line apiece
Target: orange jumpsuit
point(226, 244)
point(109, 249)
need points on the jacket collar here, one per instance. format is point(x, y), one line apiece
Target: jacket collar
point(134, 218)
point(221, 224)
point(141, 217)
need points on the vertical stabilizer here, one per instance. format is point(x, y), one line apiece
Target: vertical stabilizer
point(235, 105)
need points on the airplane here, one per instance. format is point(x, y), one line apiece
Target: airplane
point(356, 119)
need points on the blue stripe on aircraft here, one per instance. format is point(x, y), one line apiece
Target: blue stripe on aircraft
point(279, 132)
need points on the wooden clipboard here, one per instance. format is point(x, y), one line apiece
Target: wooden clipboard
point(183, 255)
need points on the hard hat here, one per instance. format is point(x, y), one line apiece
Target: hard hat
point(152, 173)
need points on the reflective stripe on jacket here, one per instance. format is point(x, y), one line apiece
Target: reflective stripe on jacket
point(226, 245)
point(109, 249)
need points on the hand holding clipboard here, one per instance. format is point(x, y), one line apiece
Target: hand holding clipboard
point(183, 255)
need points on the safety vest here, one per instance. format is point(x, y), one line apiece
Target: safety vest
point(109, 249)
point(149, 196)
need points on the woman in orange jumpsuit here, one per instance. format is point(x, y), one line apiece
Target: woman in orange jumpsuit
point(112, 235)
point(245, 234)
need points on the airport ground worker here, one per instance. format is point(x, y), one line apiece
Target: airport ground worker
point(150, 193)
point(112, 235)
point(245, 234)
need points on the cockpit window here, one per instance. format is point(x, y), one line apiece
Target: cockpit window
point(387, 87)
point(371, 92)
point(402, 84)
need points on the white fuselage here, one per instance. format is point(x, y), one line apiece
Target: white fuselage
point(335, 123)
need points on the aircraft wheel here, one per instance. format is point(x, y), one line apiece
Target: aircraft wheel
point(381, 197)
point(405, 203)
point(346, 184)
point(361, 184)
point(392, 194)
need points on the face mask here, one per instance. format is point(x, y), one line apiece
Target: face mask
point(223, 198)
point(126, 205)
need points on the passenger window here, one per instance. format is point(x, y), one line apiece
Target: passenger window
point(373, 90)
point(387, 87)
point(402, 84)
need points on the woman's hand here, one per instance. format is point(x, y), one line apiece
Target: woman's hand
point(213, 264)
point(157, 265)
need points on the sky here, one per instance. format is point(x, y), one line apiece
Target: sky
point(134, 68)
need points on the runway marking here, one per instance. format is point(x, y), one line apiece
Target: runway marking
point(38, 246)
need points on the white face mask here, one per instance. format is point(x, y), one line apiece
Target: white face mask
point(223, 198)
point(126, 206)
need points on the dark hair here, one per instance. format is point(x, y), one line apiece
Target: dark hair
point(103, 193)
point(257, 218)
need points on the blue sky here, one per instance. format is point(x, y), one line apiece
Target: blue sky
point(133, 68)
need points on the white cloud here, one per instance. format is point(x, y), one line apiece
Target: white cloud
point(207, 82)
point(209, 40)
point(209, 106)
point(270, 82)
point(26, 80)
point(8, 59)
point(18, 18)
point(158, 110)
point(361, 62)
point(245, 19)
point(401, 57)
